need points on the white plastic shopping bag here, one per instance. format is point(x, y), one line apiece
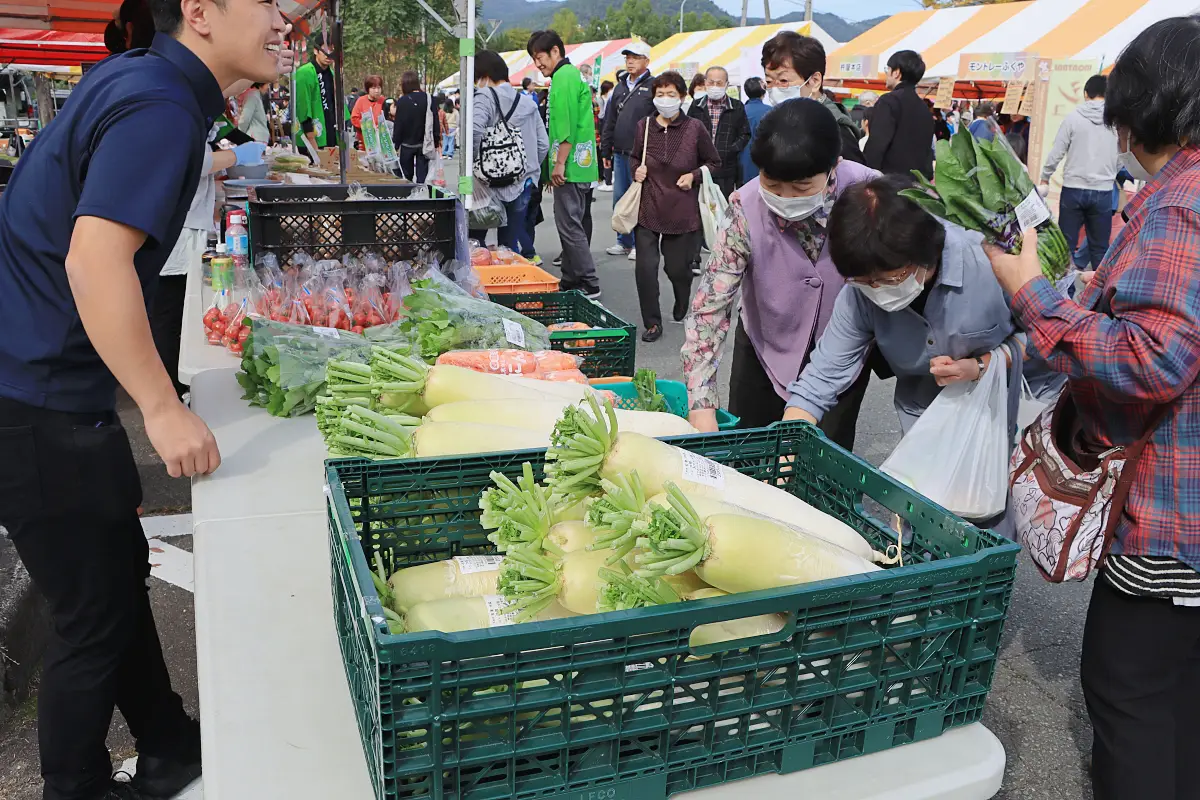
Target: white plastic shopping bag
point(712, 208)
point(1029, 409)
point(956, 454)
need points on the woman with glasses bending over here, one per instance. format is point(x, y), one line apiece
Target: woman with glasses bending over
point(921, 290)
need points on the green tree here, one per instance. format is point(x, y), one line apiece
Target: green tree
point(384, 37)
point(567, 25)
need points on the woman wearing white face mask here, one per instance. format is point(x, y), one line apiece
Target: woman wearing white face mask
point(1129, 345)
point(772, 248)
point(676, 147)
point(794, 66)
point(919, 289)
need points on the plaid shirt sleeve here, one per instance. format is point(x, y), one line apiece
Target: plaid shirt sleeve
point(1149, 349)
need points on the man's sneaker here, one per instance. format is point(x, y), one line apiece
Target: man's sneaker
point(633, 254)
point(604, 187)
point(617, 250)
point(536, 260)
point(695, 271)
point(594, 294)
point(558, 261)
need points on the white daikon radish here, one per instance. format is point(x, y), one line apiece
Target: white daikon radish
point(588, 446)
point(570, 536)
point(542, 416)
point(461, 576)
point(736, 553)
point(532, 580)
point(405, 382)
point(469, 613)
point(463, 438)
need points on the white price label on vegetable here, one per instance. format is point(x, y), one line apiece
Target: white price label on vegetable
point(513, 332)
point(498, 610)
point(698, 469)
point(468, 565)
point(1032, 211)
point(328, 333)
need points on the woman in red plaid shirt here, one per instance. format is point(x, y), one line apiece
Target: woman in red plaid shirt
point(1130, 345)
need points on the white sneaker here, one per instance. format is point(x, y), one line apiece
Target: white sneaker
point(616, 250)
point(633, 254)
point(604, 187)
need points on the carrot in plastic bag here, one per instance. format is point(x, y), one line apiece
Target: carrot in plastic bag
point(554, 361)
point(569, 326)
point(496, 362)
point(570, 375)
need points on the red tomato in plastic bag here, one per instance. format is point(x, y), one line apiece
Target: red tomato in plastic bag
point(357, 329)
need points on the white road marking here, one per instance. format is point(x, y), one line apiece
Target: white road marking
point(167, 525)
point(172, 564)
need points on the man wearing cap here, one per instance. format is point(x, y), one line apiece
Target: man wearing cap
point(631, 102)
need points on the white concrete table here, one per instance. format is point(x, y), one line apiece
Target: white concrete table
point(276, 715)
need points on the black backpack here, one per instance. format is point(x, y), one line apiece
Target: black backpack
point(501, 160)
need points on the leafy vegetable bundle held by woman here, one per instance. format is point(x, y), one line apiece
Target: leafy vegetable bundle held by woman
point(772, 247)
point(983, 187)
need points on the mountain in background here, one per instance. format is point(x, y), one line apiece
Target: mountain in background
point(534, 15)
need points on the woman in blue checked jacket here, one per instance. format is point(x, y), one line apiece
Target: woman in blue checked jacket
point(1129, 345)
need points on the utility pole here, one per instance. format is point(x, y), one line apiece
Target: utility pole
point(745, 4)
point(808, 10)
point(767, 11)
point(681, 5)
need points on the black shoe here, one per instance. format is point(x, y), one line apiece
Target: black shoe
point(168, 775)
point(680, 310)
point(591, 294)
point(652, 334)
point(118, 790)
point(558, 261)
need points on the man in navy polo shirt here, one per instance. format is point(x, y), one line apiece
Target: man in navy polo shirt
point(86, 222)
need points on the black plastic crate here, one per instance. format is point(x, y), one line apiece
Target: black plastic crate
point(320, 221)
point(608, 350)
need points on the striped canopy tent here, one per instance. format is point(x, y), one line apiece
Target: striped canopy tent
point(520, 65)
point(516, 60)
point(1058, 29)
point(91, 16)
point(738, 50)
point(50, 48)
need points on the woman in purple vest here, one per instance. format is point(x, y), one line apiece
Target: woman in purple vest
point(772, 247)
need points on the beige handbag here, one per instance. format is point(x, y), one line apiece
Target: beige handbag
point(625, 212)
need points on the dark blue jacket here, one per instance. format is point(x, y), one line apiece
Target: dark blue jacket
point(756, 109)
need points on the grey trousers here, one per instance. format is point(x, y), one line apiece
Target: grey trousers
point(578, 268)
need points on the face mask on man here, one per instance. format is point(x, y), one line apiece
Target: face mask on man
point(715, 93)
point(699, 94)
point(781, 94)
point(667, 106)
point(793, 208)
point(894, 298)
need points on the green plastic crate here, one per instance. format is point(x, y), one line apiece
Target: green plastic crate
point(674, 392)
point(618, 705)
point(612, 344)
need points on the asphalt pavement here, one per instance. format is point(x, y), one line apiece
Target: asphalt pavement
point(1035, 707)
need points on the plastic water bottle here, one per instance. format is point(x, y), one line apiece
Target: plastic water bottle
point(237, 239)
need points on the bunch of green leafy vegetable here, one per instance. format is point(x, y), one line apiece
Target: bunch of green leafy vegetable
point(645, 382)
point(439, 321)
point(978, 184)
point(283, 365)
